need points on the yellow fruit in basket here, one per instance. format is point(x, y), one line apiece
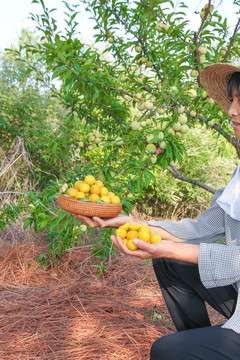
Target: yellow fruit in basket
point(105, 198)
point(122, 233)
point(69, 190)
point(125, 226)
point(145, 228)
point(144, 235)
point(95, 189)
point(132, 234)
point(135, 226)
point(77, 184)
point(93, 197)
point(89, 179)
point(84, 188)
point(131, 245)
point(104, 191)
point(115, 200)
point(99, 183)
point(155, 239)
point(72, 192)
point(79, 195)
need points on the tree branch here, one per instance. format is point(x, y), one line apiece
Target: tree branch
point(171, 168)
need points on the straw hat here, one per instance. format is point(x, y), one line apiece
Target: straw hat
point(214, 79)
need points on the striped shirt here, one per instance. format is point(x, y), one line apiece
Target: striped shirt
point(218, 264)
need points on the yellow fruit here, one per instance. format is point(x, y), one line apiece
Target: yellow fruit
point(131, 245)
point(69, 190)
point(84, 188)
point(72, 192)
point(111, 194)
point(115, 200)
point(95, 189)
point(77, 184)
point(89, 179)
point(144, 235)
point(155, 239)
point(79, 195)
point(93, 197)
point(122, 233)
point(125, 240)
point(125, 226)
point(132, 234)
point(135, 226)
point(104, 191)
point(145, 228)
point(99, 183)
point(105, 198)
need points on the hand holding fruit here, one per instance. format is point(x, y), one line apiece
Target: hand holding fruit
point(137, 240)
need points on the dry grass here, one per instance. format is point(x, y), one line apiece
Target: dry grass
point(69, 312)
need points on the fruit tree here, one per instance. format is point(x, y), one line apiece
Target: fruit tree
point(137, 90)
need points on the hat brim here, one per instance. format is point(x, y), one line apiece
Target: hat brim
point(214, 79)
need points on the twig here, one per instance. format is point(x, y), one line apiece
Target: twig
point(171, 168)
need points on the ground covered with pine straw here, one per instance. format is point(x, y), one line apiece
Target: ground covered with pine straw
point(71, 313)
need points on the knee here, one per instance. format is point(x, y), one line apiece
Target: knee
point(160, 349)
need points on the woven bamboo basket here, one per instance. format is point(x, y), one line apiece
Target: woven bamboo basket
point(88, 208)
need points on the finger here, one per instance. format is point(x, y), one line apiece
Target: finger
point(99, 221)
point(86, 220)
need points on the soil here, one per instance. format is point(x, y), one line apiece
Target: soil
point(70, 312)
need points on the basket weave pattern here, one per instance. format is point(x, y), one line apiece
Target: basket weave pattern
point(88, 208)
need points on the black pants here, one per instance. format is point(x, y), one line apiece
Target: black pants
point(185, 298)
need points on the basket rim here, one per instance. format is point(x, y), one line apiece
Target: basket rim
point(88, 203)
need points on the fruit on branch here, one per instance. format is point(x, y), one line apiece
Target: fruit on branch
point(191, 93)
point(193, 113)
point(202, 49)
point(135, 125)
point(138, 48)
point(194, 73)
point(210, 100)
point(111, 40)
point(181, 109)
point(149, 64)
point(182, 119)
point(184, 128)
point(202, 59)
point(163, 145)
point(148, 105)
point(151, 148)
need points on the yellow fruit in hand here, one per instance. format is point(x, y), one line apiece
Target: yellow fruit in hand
point(132, 234)
point(144, 228)
point(72, 192)
point(95, 189)
point(115, 200)
point(144, 235)
point(77, 184)
point(84, 188)
point(135, 226)
point(131, 246)
point(125, 226)
point(99, 183)
point(155, 239)
point(122, 233)
point(105, 198)
point(79, 195)
point(104, 191)
point(93, 197)
point(89, 179)
point(125, 240)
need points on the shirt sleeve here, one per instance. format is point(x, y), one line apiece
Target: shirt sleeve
point(208, 228)
point(219, 265)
